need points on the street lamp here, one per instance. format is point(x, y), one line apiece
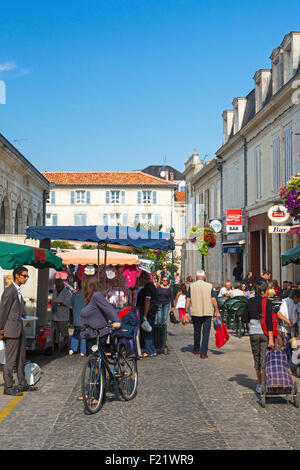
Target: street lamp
point(172, 234)
point(204, 215)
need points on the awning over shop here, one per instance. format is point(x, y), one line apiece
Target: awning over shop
point(13, 255)
point(232, 248)
point(294, 230)
point(105, 234)
point(291, 256)
point(91, 257)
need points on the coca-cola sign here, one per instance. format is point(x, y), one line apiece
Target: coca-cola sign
point(234, 220)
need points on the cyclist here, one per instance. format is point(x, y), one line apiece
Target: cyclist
point(97, 313)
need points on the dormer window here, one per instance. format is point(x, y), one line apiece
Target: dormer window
point(262, 82)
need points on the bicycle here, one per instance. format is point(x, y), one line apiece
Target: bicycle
point(120, 368)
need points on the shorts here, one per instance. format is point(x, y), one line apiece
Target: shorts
point(259, 344)
point(61, 327)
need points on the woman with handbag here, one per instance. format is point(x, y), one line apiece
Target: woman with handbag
point(259, 341)
point(147, 304)
point(180, 300)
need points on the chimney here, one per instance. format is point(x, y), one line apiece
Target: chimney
point(171, 176)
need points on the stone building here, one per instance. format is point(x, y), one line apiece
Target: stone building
point(260, 152)
point(23, 191)
point(203, 196)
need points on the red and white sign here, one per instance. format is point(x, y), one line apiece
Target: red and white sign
point(234, 220)
point(278, 214)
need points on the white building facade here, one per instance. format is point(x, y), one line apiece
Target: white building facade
point(23, 191)
point(260, 152)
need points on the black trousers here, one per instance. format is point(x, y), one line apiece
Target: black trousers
point(198, 323)
point(15, 355)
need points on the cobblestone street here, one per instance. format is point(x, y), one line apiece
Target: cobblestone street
point(183, 402)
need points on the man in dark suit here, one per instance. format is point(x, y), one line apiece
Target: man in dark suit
point(12, 311)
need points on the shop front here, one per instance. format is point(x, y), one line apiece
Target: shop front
point(259, 244)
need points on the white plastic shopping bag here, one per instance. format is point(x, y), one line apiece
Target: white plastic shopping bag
point(2, 352)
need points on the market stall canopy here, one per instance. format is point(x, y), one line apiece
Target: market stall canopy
point(91, 257)
point(118, 235)
point(13, 255)
point(291, 256)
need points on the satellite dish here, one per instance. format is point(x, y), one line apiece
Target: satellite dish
point(162, 174)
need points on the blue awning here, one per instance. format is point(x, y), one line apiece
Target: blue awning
point(114, 235)
point(232, 249)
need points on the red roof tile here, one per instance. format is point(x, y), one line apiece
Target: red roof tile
point(180, 196)
point(104, 178)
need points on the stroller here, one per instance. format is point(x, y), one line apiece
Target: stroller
point(278, 378)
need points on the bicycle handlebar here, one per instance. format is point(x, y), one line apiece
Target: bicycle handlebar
point(108, 326)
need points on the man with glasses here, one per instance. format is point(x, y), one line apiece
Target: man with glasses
point(12, 311)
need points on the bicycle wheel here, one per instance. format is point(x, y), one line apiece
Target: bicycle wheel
point(128, 380)
point(92, 384)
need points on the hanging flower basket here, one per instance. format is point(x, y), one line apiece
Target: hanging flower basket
point(290, 195)
point(204, 237)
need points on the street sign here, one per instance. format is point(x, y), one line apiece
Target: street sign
point(216, 225)
point(278, 214)
point(234, 221)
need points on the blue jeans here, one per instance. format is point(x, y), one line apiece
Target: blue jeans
point(198, 323)
point(148, 337)
point(76, 340)
point(162, 314)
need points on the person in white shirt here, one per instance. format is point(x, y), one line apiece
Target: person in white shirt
point(226, 291)
point(289, 314)
point(237, 291)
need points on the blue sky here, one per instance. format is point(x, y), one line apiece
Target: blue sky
point(118, 84)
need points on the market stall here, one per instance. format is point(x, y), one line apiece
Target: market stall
point(121, 272)
point(13, 255)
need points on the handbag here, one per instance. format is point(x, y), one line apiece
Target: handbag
point(173, 318)
point(221, 334)
point(146, 326)
point(2, 352)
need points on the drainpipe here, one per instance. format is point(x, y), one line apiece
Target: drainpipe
point(245, 204)
point(45, 200)
point(220, 169)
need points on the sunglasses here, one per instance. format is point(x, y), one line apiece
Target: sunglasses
point(24, 275)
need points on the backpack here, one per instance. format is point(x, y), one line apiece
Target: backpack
point(263, 320)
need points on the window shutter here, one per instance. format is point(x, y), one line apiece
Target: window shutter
point(139, 197)
point(54, 219)
point(137, 218)
point(125, 220)
point(154, 197)
point(288, 153)
point(105, 219)
point(107, 198)
point(122, 197)
point(156, 219)
point(76, 219)
point(276, 164)
point(88, 197)
point(52, 197)
point(83, 219)
point(72, 197)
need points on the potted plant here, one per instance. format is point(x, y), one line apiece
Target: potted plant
point(290, 195)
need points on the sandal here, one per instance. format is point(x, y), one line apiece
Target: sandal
point(153, 355)
point(80, 398)
point(144, 355)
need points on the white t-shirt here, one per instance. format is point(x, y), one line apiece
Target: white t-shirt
point(237, 292)
point(224, 291)
point(181, 301)
point(291, 311)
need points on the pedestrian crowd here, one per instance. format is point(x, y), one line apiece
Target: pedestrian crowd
point(195, 302)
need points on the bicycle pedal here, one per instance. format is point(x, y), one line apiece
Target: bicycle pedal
point(117, 375)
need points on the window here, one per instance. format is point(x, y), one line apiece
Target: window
point(114, 219)
point(257, 163)
point(276, 163)
point(288, 158)
point(147, 197)
point(144, 218)
point(79, 219)
point(80, 197)
point(51, 219)
point(115, 197)
point(52, 197)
